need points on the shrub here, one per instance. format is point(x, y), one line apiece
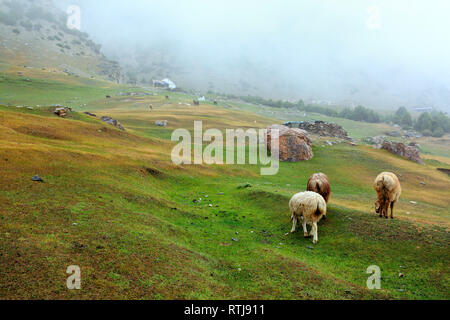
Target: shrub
point(438, 133)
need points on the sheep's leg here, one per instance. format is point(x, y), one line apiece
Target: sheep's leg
point(392, 209)
point(305, 230)
point(294, 223)
point(315, 233)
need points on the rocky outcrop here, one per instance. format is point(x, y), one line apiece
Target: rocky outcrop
point(321, 128)
point(295, 144)
point(62, 112)
point(113, 122)
point(398, 148)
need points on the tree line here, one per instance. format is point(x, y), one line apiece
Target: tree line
point(435, 123)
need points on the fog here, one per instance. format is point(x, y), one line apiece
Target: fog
point(382, 54)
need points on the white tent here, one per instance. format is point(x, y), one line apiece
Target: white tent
point(170, 84)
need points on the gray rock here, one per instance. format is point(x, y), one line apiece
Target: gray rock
point(37, 179)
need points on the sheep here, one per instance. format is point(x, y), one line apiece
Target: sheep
point(320, 184)
point(311, 207)
point(388, 190)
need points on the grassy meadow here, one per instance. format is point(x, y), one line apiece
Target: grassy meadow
point(113, 203)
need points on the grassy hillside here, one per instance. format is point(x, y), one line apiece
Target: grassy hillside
point(114, 204)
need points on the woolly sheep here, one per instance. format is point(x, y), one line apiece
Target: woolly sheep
point(311, 207)
point(388, 191)
point(320, 184)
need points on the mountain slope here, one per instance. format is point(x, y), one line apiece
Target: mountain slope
point(35, 34)
point(114, 204)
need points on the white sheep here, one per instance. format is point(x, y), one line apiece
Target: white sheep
point(311, 207)
point(388, 191)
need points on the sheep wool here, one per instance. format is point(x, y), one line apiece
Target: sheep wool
point(311, 208)
point(388, 189)
point(320, 184)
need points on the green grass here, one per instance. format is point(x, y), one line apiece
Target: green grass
point(18, 91)
point(114, 204)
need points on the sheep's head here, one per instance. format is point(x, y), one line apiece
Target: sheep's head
point(378, 207)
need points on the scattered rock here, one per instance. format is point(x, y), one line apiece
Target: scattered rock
point(161, 123)
point(321, 128)
point(309, 247)
point(377, 140)
point(113, 122)
point(402, 150)
point(235, 239)
point(401, 275)
point(413, 202)
point(91, 114)
point(295, 144)
point(37, 179)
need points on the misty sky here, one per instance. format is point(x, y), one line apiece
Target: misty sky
point(380, 53)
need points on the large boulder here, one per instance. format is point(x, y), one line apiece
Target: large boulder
point(321, 128)
point(295, 144)
point(398, 148)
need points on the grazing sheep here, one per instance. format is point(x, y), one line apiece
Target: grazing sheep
point(320, 184)
point(388, 190)
point(311, 207)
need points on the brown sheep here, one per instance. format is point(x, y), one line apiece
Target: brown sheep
point(388, 190)
point(320, 184)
